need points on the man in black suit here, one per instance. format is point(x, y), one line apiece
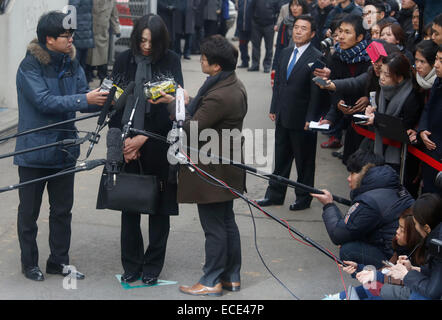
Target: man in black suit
point(295, 103)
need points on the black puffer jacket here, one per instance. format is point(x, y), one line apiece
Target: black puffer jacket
point(428, 282)
point(373, 218)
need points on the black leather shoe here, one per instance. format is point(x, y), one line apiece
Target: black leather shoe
point(33, 273)
point(129, 277)
point(267, 202)
point(297, 206)
point(243, 66)
point(149, 281)
point(253, 69)
point(266, 70)
point(187, 57)
point(63, 270)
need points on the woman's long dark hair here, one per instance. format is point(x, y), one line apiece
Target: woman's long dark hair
point(413, 238)
point(159, 33)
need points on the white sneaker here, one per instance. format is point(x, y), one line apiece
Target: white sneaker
point(335, 296)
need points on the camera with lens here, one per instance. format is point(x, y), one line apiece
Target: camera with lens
point(326, 44)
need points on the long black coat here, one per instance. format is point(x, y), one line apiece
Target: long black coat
point(297, 99)
point(153, 153)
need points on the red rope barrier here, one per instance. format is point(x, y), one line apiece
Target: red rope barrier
point(411, 149)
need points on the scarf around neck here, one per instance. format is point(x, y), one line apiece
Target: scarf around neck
point(391, 101)
point(428, 81)
point(355, 54)
point(209, 83)
point(142, 75)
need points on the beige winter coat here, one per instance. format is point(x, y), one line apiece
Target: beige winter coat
point(105, 16)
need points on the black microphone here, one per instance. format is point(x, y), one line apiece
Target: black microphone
point(128, 115)
point(100, 121)
point(114, 156)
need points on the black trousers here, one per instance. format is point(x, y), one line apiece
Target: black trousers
point(301, 146)
point(223, 244)
point(259, 32)
point(244, 38)
point(61, 199)
point(133, 256)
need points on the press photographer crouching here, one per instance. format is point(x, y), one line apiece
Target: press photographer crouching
point(366, 231)
point(425, 282)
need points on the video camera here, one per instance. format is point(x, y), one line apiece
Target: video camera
point(326, 44)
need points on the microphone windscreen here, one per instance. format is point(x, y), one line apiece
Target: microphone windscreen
point(128, 109)
point(121, 102)
point(114, 145)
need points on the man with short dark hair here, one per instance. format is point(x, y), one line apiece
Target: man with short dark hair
point(430, 128)
point(437, 30)
point(264, 14)
point(366, 231)
point(51, 87)
point(295, 102)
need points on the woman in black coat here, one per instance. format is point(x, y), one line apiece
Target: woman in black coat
point(147, 59)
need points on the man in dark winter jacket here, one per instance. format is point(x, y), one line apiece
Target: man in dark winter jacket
point(264, 14)
point(343, 6)
point(430, 129)
point(51, 87)
point(366, 231)
point(320, 11)
point(244, 26)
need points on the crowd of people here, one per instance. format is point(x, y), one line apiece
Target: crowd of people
point(376, 61)
point(333, 60)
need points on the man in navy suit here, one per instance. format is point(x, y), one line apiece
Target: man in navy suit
point(295, 103)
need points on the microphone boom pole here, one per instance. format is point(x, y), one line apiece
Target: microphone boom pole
point(84, 166)
point(63, 143)
point(292, 183)
point(251, 170)
point(92, 115)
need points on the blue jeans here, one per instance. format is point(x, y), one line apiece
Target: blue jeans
point(362, 253)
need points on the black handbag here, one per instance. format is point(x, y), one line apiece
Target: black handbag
point(129, 192)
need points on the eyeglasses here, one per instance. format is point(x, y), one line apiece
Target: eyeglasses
point(369, 13)
point(67, 36)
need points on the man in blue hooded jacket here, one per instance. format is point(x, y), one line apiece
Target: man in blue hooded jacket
point(51, 87)
point(366, 231)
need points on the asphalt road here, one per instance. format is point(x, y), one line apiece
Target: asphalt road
point(95, 245)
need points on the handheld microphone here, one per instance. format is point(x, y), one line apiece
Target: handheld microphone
point(180, 109)
point(100, 121)
point(114, 155)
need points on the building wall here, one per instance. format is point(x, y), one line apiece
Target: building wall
point(18, 27)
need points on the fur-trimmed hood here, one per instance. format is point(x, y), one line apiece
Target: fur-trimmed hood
point(375, 177)
point(42, 55)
